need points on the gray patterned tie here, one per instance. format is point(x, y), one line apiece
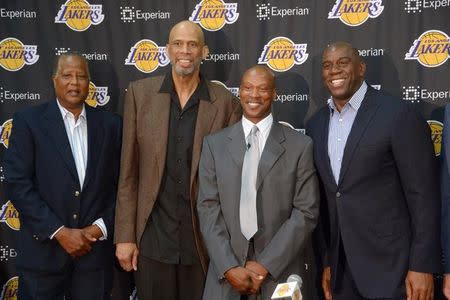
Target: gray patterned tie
point(247, 208)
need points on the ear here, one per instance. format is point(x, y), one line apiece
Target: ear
point(362, 69)
point(205, 52)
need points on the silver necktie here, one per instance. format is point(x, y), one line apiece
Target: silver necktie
point(247, 207)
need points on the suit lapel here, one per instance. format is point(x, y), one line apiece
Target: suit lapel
point(95, 140)
point(236, 146)
point(322, 144)
point(159, 118)
point(205, 119)
point(363, 118)
point(271, 152)
point(56, 130)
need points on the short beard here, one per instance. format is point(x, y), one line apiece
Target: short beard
point(186, 72)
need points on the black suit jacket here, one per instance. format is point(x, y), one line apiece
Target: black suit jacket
point(385, 206)
point(42, 183)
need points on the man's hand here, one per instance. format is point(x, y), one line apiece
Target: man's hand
point(326, 285)
point(419, 286)
point(94, 231)
point(241, 279)
point(258, 269)
point(127, 254)
point(75, 242)
point(446, 286)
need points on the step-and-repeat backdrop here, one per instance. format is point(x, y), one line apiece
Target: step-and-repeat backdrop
point(405, 44)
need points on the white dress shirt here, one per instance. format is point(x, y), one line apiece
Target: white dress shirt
point(76, 130)
point(263, 130)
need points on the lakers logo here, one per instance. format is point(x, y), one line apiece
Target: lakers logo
point(233, 90)
point(9, 291)
point(431, 49)
point(5, 132)
point(79, 15)
point(281, 54)
point(14, 55)
point(356, 12)
point(436, 135)
point(98, 95)
point(147, 56)
point(10, 216)
point(212, 15)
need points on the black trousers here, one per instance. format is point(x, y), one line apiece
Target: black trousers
point(71, 283)
point(345, 288)
point(159, 281)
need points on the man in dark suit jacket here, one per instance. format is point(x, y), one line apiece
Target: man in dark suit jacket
point(378, 172)
point(165, 120)
point(61, 172)
point(286, 199)
point(445, 197)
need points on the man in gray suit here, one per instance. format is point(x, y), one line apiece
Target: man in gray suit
point(256, 214)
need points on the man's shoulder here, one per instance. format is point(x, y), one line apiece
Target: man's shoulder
point(220, 93)
point(292, 135)
point(106, 116)
point(32, 112)
point(223, 134)
point(148, 83)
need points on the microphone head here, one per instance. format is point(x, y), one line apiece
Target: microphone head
point(295, 278)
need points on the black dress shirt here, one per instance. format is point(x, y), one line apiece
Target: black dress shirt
point(169, 236)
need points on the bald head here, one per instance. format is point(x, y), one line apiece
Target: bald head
point(261, 71)
point(344, 45)
point(187, 26)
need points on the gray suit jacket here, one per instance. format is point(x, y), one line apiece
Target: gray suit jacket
point(287, 205)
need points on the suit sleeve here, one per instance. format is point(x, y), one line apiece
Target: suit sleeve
point(445, 192)
point(292, 235)
point(127, 194)
point(212, 223)
point(417, 166)
point(19, 162)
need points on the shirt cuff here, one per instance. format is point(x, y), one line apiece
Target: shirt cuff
point(54, 233)
point(101, 224)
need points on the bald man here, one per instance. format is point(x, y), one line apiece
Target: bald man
point(258, 199)
point(165, 120)
point(380, 186)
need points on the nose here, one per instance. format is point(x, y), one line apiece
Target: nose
point(74, 80)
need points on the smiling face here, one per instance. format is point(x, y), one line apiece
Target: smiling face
point(257, 92)
point(186, 48)
point(71, 82)
point(342, 71)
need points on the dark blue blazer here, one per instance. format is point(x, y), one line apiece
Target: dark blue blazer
point(42, 183)
point(385, 205)
point(445, 190)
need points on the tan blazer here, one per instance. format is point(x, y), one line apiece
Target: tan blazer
point(145, 134)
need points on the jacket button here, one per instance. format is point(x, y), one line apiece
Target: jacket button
point(75, 216)
point(338, 195)
point(77, 193)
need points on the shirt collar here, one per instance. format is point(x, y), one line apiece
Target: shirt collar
point(169, 87)
point(263, 125)
point(355, 101)
point(64, 111)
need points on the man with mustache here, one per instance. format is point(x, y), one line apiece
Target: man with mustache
point(165, 120)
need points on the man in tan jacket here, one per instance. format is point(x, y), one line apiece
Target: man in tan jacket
point(165, 119)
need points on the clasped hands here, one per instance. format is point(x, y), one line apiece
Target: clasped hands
point(247, 280)
point(78, 242)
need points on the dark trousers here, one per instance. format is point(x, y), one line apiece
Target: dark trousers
point(159, 281)
point(345, 288)
point(71, 283)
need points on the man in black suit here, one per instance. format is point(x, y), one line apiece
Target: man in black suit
point(61, 171)
point(380, 214)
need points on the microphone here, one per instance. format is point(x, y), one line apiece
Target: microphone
point(289, 290)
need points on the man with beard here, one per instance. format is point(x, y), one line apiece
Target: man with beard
point(165, 120)
point(378, 172)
